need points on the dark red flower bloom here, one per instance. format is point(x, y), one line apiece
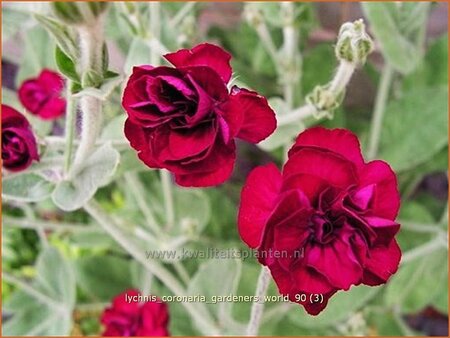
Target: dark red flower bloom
point(326, 222)
point(184, 119)
point(41, 96)
point(19, 146)
point(126, 319)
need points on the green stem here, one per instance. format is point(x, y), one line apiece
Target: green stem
point(258, 306)
point(425, 249)
point(91, 44)
point(71, 113)
point(380, 105)
point(425, 228)
point(182, 13)
point(181, 271)
point(24, 223)
point(139, 194)
point(166, 182)
point(108, 224)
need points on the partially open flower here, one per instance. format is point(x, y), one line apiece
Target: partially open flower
point(131, 318)
point(184, 119)
point(41, 96)
point(19, 147)
point(325, 223)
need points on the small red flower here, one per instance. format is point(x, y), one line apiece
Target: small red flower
point(41, 96)
point(184, 119)
point(328, 218)
point(125, 319)
point(19, 147)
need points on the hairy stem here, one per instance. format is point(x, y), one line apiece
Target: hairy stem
point(258, 306)
point(139, 194)
point(91, 45)
point(166, 182)
point(71, 114)
point(342, 77)
point(378, 112)
point(422, 250)
point(16, 222)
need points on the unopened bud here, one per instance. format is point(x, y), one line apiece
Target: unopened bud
point(353, 44)
point(325, 101)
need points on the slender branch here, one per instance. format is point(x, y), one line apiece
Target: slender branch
point(91, 44)
point(71, 113)
point(138, 191)
point(417, 227)
point(378, 112)
point(168, 197)
point(258, 306)
point(108, 224)
point(300, 113)
point(342, 77)
point(435, 244)
point(182, 272)
point(189, 6)
point(47, 225)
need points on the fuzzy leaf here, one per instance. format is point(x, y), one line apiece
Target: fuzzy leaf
point(96, 172)
point(398, 43)
point(27, 187)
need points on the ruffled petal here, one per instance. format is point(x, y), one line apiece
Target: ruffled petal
point(384, 228)
point(139, 141)
point(204, 54)
point(337, 262)
point(258, 119)
point(312, 171)
point(215, 167)
point(340, 141)
point(53, 108)
point(190, 142)
point(382, 262)
point(258, 199)
point(386, 200)
point(51, 81)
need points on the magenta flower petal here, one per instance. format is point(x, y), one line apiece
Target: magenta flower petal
point(258, 199)
point(382, 263)
point(19, 147)
point(258, 118)
point(204, 54)
point(339, 141)
point(41, 96)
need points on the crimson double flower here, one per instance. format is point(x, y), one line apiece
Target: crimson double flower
point(41, 96)
point(124, 319)
point(329, 217)
point(19, 148)
point(184, 119)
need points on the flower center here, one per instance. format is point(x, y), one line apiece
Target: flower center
point(323, 228)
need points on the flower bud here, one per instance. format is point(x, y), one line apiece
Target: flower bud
point(354, 44)
point(325, 101)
